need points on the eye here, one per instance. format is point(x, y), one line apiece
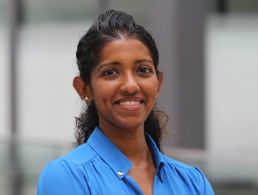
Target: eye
point(109, 73)
point(145, 70)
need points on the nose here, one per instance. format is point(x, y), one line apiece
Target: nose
point(129, 85)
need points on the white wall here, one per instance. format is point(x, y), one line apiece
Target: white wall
point(232, 84)
point(48, 102)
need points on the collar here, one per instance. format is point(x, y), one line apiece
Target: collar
point(157, 155)
point(104, 147)
point(114, 157)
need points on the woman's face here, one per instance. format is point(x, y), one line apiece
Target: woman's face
point(124, 86)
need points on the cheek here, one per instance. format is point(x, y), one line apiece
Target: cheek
point(101, 96)
point(102, 93)
point(152, 89)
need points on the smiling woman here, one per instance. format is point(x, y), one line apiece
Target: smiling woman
point(118, 134)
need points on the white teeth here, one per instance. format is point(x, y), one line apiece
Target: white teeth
point(129, 103)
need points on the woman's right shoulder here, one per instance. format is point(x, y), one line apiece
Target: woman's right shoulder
point(80, 155)
point(66, 175)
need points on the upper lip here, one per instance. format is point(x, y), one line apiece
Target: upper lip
point(124, 99)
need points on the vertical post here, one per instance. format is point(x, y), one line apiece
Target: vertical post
point(163, 20)
point(14, 171)
point(191, 26)
point(178, 26)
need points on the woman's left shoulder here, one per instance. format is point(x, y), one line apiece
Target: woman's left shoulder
point(191, 175)
point(180, 166)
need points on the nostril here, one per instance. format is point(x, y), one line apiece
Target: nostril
point(130, 87)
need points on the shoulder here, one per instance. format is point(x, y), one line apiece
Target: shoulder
point(175, 163)
point(80, 155)
point(191, 176)
point(66, 174)
point(181, 168)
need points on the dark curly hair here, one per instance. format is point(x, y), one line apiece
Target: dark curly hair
point(109, 26)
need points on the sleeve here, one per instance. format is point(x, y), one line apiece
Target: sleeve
point(58, 177)
point(201, 183)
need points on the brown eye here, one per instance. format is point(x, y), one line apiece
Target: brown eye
point(144, 70)
point(110, 73)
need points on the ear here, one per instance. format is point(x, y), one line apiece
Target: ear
point(81, 87)
point(160, 81)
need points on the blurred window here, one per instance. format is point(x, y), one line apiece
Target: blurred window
point(234, 6)
point(37, 11)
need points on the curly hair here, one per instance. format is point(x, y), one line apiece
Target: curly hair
point(109, 26)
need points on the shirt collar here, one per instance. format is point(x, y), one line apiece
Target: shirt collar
point(158, 159)
point(118, 162)
point(157, 155)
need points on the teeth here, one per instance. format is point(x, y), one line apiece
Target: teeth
point(127, 103)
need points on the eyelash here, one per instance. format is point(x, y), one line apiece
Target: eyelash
point(109, 72)
point(147, 69)
point(143, 70)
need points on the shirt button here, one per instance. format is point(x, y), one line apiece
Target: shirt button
point(120, 173)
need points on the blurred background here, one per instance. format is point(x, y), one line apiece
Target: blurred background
point(208, 52)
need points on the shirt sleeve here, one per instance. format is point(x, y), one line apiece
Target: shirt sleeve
point(201, 183)
point(59, 177)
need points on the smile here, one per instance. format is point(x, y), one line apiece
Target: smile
point(130, 103)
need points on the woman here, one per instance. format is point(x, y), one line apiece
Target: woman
point(119, 132)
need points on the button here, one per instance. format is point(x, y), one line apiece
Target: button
point(120, 173)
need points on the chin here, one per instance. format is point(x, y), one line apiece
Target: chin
point(123, 123)
point(130, 125)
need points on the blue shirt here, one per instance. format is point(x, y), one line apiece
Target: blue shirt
point(99, 167)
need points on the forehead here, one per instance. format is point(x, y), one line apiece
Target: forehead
point(125, 47)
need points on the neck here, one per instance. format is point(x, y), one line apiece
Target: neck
point(131, 142)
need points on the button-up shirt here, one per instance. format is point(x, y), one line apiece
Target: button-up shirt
point(98, 167)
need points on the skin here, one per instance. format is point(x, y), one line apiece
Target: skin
point(124, 87)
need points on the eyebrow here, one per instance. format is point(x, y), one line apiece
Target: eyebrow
point(114, 63)
point(144, 60)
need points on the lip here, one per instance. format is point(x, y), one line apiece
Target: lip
point(129, 103)
point(129, 99)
